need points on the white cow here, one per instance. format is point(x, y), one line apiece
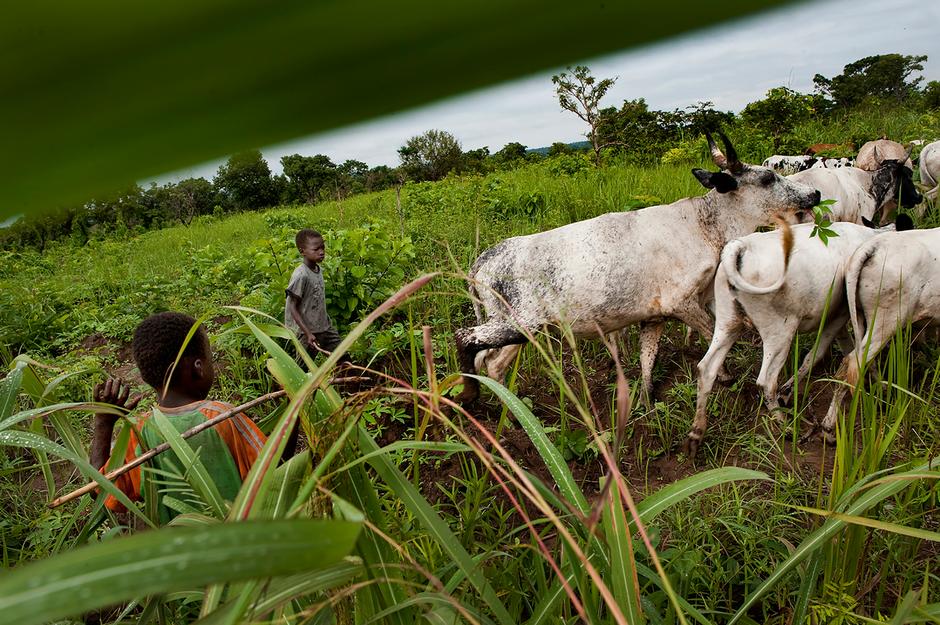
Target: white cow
point(785, 164)
point(860, 193)
point(873, 153)
point(930, 169)
point(891, 280)
point(780, 294)
point(824, 162)
point(618, 269)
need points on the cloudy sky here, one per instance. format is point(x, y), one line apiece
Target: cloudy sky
point(730, 65)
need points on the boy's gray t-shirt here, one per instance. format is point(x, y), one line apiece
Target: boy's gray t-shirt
point(307, 286)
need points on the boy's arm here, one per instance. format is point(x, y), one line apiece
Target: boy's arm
point(115, 392)
point(298, 318)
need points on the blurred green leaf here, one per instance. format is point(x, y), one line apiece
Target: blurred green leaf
point(169, 560)
point(102, 94)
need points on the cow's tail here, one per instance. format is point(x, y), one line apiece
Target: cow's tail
point(853, 273)
point(731, 260)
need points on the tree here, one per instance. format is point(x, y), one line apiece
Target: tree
point(932, 95)
point(350, 178)
point(308, 175)
point(476, 161)
point(380, 177)
point(581, 93)
point(558, 148)
point(778, 112)
point(512, 154)
point(244, 182)
point(884, 76)
point(430, 156)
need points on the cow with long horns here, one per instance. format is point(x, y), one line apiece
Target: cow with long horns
point(602, 274)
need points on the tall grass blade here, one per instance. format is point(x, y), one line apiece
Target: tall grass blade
point(550, 455)
point(436, 526)
point(821, 536)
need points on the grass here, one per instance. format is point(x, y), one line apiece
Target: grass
point(475, 528)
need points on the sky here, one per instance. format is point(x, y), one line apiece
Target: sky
point(730, 65)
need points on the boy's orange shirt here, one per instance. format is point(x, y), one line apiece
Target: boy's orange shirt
point(242, 437)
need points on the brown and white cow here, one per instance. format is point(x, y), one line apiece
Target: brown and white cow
point(606, 273)
point(871, 155)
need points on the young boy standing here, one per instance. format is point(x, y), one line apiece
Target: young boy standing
point(227, 450)
point(305, 308)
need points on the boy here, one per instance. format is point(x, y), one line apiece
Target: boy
point(227, 450)
point(305, 308)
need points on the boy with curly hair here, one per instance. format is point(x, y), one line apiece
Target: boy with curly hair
point(226, 450)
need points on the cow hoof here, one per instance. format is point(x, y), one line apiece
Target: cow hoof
point(724, 376)
point(691, 444)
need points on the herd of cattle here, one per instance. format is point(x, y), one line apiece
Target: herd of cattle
point(701, 261)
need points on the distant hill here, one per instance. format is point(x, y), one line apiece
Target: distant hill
point(577, 145)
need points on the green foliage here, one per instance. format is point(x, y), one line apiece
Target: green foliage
point(581, 93)
point(244, 182)
point(778, 112)
point(821, 220)
point(883, 76)
point(430, 156)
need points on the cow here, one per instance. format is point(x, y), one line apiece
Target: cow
point(787, 165)
point(874, 152)
point(816, 148)
point(605, 273)
point(930, 169)
point(780, 294)
point(825, 162)
point(860, 193)
point(890, 281)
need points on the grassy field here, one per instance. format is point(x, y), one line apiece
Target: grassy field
point(526, 510)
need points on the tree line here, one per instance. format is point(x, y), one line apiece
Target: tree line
point(633, 132)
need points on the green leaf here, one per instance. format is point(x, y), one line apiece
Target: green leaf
point(168, 560)
point(108, 93)
point(432, 522)
point(821, 536)
point(9, 389)
point(550, 455)
point(196, 474)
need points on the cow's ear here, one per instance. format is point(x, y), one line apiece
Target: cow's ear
point(867, 222)
point(719, 181)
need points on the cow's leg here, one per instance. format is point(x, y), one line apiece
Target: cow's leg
point(700, 320)
point(650, 333)
point(866, 348)
point(728, 328)
point(499, 361)
point(832, 329)
point(470, 341)
point(777, 343)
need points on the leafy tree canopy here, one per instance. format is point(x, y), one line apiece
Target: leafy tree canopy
point(430, 156)
point(887, 76)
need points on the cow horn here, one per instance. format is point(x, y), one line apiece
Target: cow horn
point(717, 156)
point(733, 163)
point(910, 150)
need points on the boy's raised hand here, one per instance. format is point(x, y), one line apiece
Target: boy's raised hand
point(116, 392)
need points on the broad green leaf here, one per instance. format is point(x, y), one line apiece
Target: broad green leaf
point(9, 389)
point(550, 454)
point(169, 560)
point(623, 582)
point(676, 492)
point(108, 92)
point(28, 440)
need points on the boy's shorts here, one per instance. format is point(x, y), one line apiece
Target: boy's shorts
point(327, 340)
